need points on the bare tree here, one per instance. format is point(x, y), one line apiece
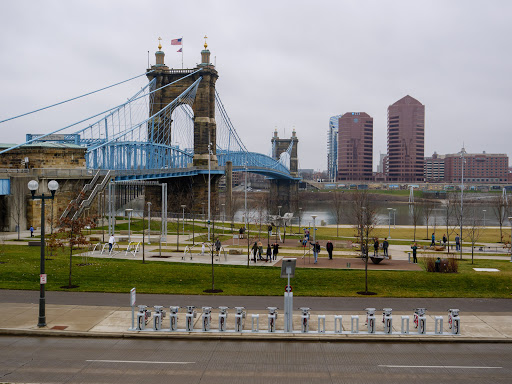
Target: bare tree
point(337, 208)
point(72, 230)
point(364, 214)
point(500, 210)
point(428, 208)
point(416, 213)
point(473, 227)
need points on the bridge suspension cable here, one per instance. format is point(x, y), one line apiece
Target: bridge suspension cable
point(96, 115)
point(74, 98)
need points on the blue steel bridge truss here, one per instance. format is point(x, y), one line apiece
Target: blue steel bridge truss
point(135, 145)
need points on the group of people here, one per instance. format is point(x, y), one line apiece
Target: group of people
point(376, 245)
point(445, 240)
point(272, 251)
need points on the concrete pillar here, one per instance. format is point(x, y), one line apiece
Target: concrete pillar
point(229, 188)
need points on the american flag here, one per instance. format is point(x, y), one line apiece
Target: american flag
point(180, 50)
point(176, 41)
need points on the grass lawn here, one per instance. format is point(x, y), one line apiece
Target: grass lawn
point(21, 269)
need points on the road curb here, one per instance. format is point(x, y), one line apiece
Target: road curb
point(254, 336)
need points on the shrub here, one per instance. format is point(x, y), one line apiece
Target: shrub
point(449, 265)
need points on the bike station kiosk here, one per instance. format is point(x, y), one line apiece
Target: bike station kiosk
point(288, 271)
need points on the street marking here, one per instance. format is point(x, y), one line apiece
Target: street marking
point(437, 366)
point(141, 362)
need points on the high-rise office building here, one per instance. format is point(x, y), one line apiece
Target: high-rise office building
point(406, 140)
point(332, 148)
point(355, 146)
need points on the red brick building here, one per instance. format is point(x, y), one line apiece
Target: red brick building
point(355, 146)
point(478, 168)
point(406, 140)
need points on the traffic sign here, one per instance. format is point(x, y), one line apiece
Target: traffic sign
point(288, 288)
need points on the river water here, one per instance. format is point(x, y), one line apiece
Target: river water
point(400, 215)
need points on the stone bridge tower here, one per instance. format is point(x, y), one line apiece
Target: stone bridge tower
point(285, 193)
point(190, 191)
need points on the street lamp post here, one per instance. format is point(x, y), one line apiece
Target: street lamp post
point(314, 237)
point(462, 153)
point(223, 216)
point(278, 227)
point(484, 210)
point(129, 210)
point(149, 222)
point(300, 215)
point(389, 222)
point(183, 206)
point(394, 218)
point(33, 185)
point(209, 192)
point(510, 219)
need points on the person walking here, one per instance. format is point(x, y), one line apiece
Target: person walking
point(217, 246)
point(276, 250)
point(254, 250)
point(316, 250)
point(269, 253)
point(202, 249)
point(111, 242)
point(385, 246)
point(376, 247)
point(260, 249)
point(414, 248)
point(444, 239)
point(457, 242)
point(433, 240)
point(31, 231)
point(269, 230)
point(241, 232)
point(329, 247)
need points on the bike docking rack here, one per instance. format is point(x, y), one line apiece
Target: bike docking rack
point(141, 318)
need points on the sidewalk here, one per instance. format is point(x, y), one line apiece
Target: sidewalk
point(114, 322)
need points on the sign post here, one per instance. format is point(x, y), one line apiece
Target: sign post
point(132, 304)
point(288, 271)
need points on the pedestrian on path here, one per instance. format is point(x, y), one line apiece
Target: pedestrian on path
point(414, 248)
point(217, 245)
point(444, 240)
point(111, 242)
point(269, 253)
point(260, 249)
point(457, 242)
point(202, 249)
point(254, 250)
point(329, 247)
point(276, 250)
point(376, 247)
point(385, 246)
point(31, 231)
point(433, 240)
point(316, 250)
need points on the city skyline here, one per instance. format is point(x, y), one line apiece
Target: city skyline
point(449, 55)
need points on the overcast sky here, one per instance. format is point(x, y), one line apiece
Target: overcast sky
point(281, 64)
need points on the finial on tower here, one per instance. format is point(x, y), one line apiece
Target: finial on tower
point(205, 44)
point(159, 44)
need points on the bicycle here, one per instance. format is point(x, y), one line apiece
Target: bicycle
point(223, 317)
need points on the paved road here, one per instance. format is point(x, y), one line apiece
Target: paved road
point(71, 360)
point(261, 302)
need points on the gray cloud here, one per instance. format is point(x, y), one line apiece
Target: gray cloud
point(281, 63)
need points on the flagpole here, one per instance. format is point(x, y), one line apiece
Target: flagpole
point(181, 52)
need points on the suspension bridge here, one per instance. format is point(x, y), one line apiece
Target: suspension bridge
point(144, 138)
